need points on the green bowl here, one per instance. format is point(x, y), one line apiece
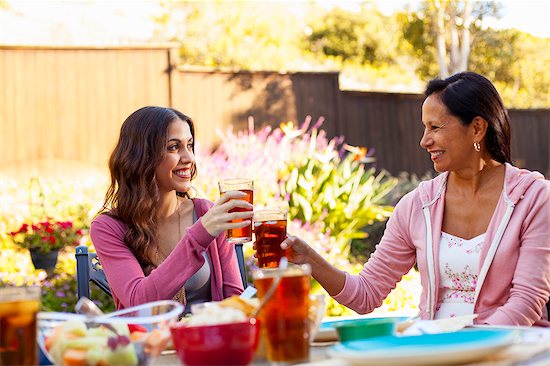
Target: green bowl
point(353, 329)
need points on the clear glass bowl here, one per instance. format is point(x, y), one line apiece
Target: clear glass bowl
point(142, 332)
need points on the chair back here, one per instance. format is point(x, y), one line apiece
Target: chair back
point(242, 265)
point(88, 269)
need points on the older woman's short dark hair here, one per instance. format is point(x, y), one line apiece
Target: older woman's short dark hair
point(468, 95)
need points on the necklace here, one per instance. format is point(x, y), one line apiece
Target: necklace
point(160, 251)
point(180, 295)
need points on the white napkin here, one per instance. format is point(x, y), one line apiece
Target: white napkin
point(445, 325)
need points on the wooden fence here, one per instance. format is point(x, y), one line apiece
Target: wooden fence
point(388, 123)
point(63, 106)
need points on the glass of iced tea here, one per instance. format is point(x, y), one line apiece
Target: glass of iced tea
point(270, 231)
point(284, 320)
point(241, 235)
point(18, 309)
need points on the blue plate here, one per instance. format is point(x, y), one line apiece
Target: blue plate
point(429, 349)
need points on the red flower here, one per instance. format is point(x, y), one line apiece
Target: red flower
point(47, 235)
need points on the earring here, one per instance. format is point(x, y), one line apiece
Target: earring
point(477, 146)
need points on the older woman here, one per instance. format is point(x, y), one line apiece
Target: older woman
point(479, 232)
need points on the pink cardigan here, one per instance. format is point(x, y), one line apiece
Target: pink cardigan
point(131, 287)
point(514, 271)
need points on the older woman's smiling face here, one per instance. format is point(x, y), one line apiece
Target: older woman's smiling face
point(449, 143)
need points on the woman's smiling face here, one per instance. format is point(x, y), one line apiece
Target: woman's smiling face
point(448, 141)
point(175, 170)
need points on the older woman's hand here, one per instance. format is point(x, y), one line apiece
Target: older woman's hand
point(218, 218)
point(296, 250)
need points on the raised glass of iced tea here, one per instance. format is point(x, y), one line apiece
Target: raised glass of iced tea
point(284, 320)
point(18, 309)
point(270, 231)
point(241, 235)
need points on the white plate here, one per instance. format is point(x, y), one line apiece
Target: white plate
point(429, 349)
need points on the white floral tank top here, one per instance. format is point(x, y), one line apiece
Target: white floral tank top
point(458, 271)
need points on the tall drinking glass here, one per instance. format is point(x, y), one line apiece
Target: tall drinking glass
point(241, 235)
point(18, 308)
point(284, 320)
point(270, 231)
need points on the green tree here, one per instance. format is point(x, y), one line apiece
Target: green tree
point(516, 61)
point(237, 34)
point(360, 37)
point(441, 33)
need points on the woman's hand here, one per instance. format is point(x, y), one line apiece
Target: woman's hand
point(296, 250)
point(218, 218)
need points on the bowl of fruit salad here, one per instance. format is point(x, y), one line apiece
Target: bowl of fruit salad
point(132, 336)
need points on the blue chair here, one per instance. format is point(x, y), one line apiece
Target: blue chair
point(88, 269)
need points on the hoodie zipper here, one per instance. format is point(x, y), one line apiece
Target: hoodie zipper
point(430, 262)
point(493, 248)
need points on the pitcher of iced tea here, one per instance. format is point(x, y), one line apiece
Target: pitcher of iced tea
point(18, 309)
point(284, 319)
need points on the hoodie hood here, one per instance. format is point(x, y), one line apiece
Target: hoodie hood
point(517, 181)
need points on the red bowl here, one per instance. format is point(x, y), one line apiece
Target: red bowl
point(220, 344)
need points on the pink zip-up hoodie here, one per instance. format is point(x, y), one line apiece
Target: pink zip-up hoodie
point(131, 287)
point(514, 268)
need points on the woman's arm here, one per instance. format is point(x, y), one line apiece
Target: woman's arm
point(328, 276)
point(232, 283)
point(393, 258)
point(126, 278)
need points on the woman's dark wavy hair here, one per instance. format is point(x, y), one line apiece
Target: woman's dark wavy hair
point(133, 194)
point(468, 95)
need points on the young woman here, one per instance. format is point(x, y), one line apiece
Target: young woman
point(479, 232)
point(154, 241)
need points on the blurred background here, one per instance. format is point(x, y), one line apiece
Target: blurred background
point(307, 97)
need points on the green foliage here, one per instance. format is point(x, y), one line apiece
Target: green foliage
point(73, 200)
point(240, 34)
point(340, 193)
point(362, 37)
point(60, 294)
point(514, 60)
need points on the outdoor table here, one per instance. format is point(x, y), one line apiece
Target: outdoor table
point(532, 354)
